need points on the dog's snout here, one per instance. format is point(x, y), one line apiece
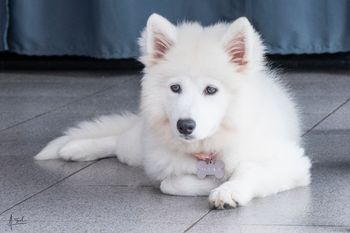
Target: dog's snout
point(186, 126)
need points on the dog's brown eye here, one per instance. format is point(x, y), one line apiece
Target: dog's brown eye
point(209, 90)
point(176, 88)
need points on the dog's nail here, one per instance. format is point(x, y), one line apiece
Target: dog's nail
point(228, 206)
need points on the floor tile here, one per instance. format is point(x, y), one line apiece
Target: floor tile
point(328, 146)
point(18, 109)
point(340, 120)
point(207, 228)
point(312, 109)
point(84, 76)
point(22, 177)
point(26, 95)
point(317, 93)
point(34, 134)
point(111, 172)
point(71, 208)
point(318, 83)
point(324, 203)
point(121, 98)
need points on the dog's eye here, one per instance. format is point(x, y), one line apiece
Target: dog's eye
point(209, 90)
point(176, 88)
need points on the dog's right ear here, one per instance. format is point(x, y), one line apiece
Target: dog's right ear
point(157, 38)
point(243, 45)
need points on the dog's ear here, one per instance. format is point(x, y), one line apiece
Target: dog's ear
point(157, 38)
point(243, 44)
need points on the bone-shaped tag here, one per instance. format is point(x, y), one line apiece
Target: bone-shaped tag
point(210, 168)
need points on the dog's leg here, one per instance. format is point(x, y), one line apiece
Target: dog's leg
point(88, 149)
point(118, 135)
point(188, 185)
point(252, 180)
point(123, 146)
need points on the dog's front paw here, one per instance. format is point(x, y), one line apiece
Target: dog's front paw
point(229, 195)
point(221, 198)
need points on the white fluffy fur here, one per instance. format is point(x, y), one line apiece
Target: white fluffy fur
point(251, 121)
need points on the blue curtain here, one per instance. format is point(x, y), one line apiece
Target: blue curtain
point(3, 24)
point(303, 26)
point(109, 28)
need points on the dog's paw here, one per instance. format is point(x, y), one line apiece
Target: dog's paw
point(229, 195)
point(221, 198)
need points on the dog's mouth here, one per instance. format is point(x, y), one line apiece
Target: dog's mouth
point(187, 137)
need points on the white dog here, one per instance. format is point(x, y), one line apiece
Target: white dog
point(206, 96)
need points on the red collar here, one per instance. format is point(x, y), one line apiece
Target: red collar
point(205, 156)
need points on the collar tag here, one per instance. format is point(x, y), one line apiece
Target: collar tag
point(207, 165)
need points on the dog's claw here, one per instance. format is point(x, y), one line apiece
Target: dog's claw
point(222, 206)
point(228, 206)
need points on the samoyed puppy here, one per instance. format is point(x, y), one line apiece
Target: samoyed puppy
point(207, 99)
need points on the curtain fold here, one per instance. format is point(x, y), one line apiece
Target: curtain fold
point(110, 28)
point(300, 26)
point(4, 22)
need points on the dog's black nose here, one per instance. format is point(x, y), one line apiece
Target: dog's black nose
point(186, 126)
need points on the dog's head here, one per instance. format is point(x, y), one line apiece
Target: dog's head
point(192, 74)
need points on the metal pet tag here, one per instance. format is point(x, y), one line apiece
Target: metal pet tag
point(210, 168)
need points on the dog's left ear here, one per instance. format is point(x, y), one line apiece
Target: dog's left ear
point(243, 44)
point(157, 39)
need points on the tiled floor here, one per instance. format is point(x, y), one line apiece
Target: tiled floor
point(107, 196)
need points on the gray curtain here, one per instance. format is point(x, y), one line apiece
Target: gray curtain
point(109, 28)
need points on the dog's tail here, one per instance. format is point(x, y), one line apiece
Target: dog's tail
point(118, 135)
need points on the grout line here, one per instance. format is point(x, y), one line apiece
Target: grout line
point(119, 185)
point(274, 225)
point(325, 117)
point(50, 186)
point(198, 220)
point(57, 108)
point(299, 225)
